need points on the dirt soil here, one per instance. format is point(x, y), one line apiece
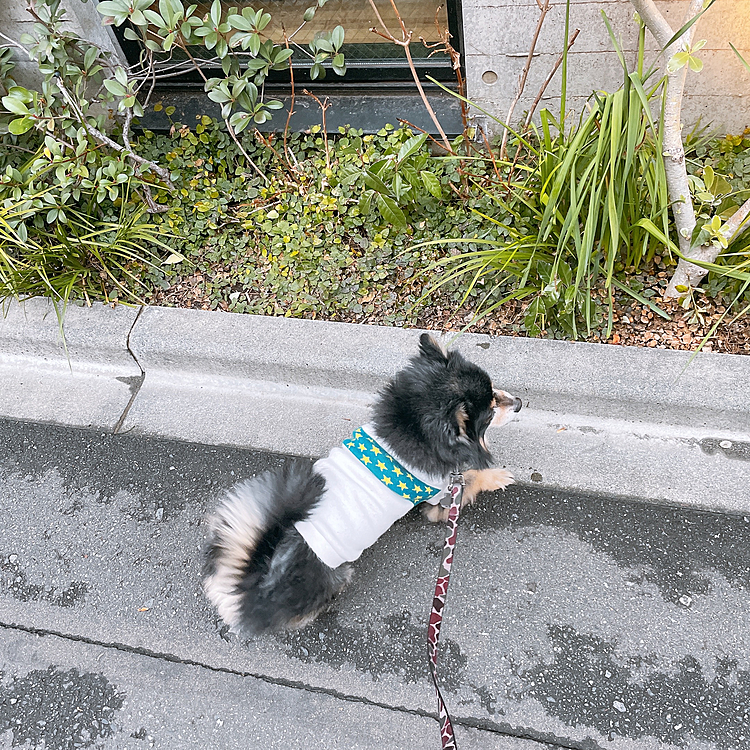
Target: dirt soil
point(634, 324)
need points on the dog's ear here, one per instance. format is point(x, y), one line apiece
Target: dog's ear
point(460, 420)
point(430, 349)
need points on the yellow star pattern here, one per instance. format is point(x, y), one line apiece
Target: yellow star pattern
point(387, 469)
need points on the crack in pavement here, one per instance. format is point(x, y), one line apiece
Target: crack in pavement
point(134, 383)
point(544, 741)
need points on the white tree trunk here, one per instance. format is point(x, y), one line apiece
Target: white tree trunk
point(686, 274)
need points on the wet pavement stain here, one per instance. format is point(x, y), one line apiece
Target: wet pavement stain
point(59, 710)
point(161, 474)
point(586, 686)
point(391, 645)
point(731, 449)
point(673, 548)
point(14, 581)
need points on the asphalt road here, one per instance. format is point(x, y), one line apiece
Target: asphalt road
point(573, 622)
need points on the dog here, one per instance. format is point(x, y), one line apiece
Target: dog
point(279, 545)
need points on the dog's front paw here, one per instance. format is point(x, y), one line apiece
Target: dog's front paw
point(496, 479)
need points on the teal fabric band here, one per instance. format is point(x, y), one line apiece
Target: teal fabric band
point(389, 471)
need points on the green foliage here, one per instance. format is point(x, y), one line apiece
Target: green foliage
point(577, 207)
point(79, 160)
point(402, 176)
point(349, 227)
point(100, 260)
point(302, 242)
point(719, 174)
point(70, 185)
point(172, 30)
point(56, 124)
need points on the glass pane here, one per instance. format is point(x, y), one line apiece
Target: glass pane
point(357, 17)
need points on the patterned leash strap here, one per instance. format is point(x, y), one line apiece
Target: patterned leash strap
point(455, 493)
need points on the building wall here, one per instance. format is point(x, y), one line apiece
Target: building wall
point(498, 34)
point(83, 19)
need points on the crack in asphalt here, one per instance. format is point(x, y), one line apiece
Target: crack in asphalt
point(544, 741)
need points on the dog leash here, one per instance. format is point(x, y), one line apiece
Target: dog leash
point(455, 492)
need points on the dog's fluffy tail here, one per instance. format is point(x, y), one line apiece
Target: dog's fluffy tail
point(259, 572)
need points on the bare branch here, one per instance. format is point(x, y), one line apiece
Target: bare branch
point(404, 43)
point(687, 274)
point(18, 45)
point(324, 105)
point(548, 79)
point(654, 20)
point(738, 222)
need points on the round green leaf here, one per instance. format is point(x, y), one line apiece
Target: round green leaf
point(21, 125)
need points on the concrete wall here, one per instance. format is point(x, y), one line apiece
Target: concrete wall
point(498, 34)
point(82, 18)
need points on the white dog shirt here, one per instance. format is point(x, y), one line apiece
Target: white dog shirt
point(367, 491)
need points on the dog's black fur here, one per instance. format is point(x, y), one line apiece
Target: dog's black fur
point(434, 413)
point(259, 571)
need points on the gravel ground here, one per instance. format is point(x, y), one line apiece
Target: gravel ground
point(634, 324)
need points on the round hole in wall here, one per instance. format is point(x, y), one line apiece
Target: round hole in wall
point(489, 77)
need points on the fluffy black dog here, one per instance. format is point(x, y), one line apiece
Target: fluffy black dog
point(279, 544)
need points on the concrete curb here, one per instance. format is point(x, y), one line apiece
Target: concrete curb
point(88, 381)
point(653, 424)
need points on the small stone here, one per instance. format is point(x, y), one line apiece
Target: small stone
point(619, 706)
point(12, 558)
point(159, 514)
point(725, 444)
point(686, 600)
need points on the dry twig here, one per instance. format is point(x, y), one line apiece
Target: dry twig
point(324, 105)
point(404, 43)
point(547, 80)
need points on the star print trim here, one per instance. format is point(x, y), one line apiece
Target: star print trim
point(387, 469)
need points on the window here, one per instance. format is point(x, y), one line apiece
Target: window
point(375, 66)
point(368, 56)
